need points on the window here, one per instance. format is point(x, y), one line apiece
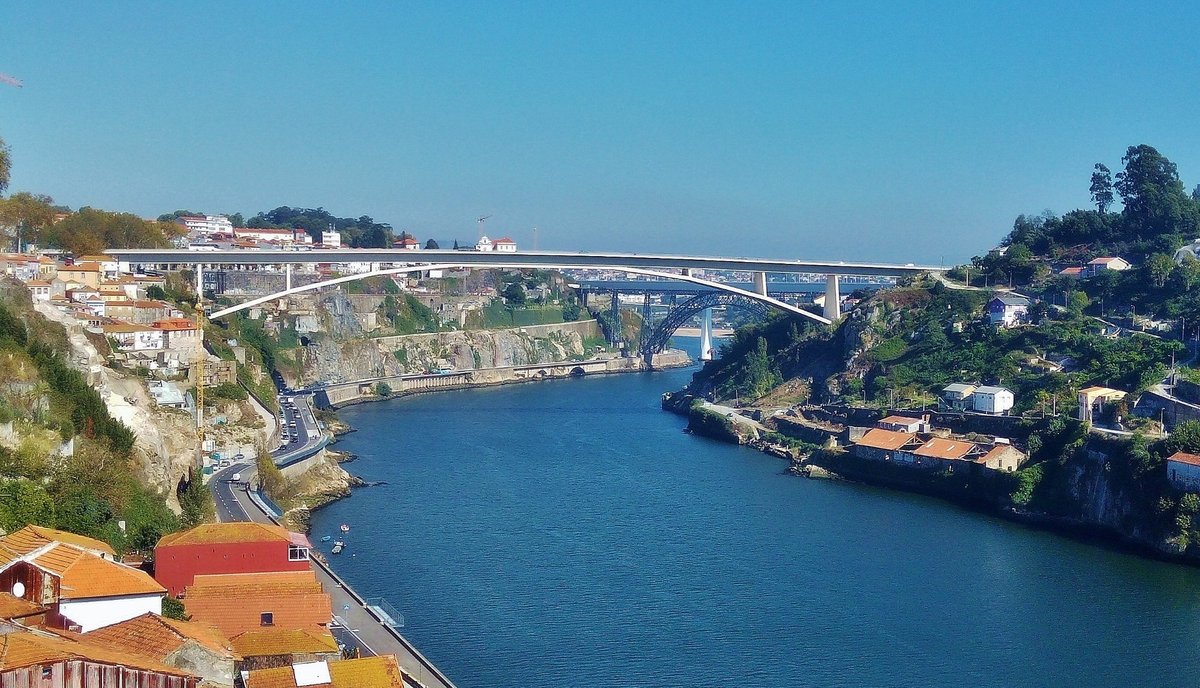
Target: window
point(267, 618)
point(297, 553)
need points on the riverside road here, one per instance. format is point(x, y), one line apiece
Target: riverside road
point(354, 623)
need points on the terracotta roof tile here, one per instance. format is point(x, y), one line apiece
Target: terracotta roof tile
point(223, 533)
point(84, 575)
point(235, 602)
point(156, 636)
point(899, 420)
point(367, 672)
point(31, 537)
point(1184, 457)
point(940, 448)
point(283, 641)
point(28, 648)
point(879, 438)
point(13, 607)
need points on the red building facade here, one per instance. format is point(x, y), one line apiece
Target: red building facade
point(215, 548)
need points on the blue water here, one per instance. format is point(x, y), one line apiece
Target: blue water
point(567, 533)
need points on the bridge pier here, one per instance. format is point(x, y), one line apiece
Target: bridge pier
point(616, 319)
point(199, 282)
point(760, 283)
point(706, 335)
point(287, 277)
point(833, 299)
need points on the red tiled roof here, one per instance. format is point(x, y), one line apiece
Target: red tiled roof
point(1184, 457)
point(366, 672)
point(899, 420)
point(31, 648)
point(940, 448)
point(235, 602)
point(879, 438)
point(151, 635)
point(224, 533)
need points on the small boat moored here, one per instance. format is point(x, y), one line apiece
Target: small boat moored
point(338, 547)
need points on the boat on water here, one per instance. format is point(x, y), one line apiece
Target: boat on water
point(327, 538)
point(338, 547)
point(345, 528)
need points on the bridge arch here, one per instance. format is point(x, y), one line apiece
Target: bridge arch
point(681, 314)
point(767, 301)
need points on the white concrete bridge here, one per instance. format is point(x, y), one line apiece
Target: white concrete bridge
point(399, 261)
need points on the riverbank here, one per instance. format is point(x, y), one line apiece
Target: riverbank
point(343, 394)
point(524, 527)
point(1104, 514)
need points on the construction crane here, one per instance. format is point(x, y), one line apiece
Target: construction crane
point(481, 221)
point(11, 81)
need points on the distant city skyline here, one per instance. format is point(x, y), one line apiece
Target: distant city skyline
point(777, 129)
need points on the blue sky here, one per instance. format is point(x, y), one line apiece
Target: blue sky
point(829, 130)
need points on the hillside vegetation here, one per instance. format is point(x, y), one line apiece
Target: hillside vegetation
point(85, 488)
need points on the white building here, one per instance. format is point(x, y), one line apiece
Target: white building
point(1183, 470)
point(484, 244)
point(1099, 265)
point(958, 396)
point(206, 224)
point(265, 234)
point(331, 239)
point(992, 400)
point(133, 337)
point(505, 245)
point(1006, 310)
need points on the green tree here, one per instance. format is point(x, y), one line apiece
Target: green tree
point(5, 165)
point(1077, 302)
point(383, 389)
point(431, 245)
point(195, 501)
point(1102, 188)
point(1160, 267)
point(1155, 202)
point(28, 213)
point(173, 609)
point(514, 294)
point(24, 502)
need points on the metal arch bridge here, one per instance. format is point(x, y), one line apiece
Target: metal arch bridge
point(681, 314)
point(716, 286)
point(656, 266)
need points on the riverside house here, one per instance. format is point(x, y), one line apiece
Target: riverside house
point(1183, 470)
point(882, 445)
point(227, 548)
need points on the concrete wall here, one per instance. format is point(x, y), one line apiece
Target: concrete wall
point(254, 283)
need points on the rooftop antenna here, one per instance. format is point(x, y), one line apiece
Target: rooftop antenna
point(481, 221)
point(10, 80)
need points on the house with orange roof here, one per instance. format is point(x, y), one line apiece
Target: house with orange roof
point(367, 672)
point(268, 648)
point(236, 547)
point(30, 657)
point(883, 445)
point(39, 289)
point(1099, 265)
point(180, 336)
point(195, 647)
point(132, 337)
point(77, 580)
point(236, 603)
point(32, 537)
point(86, 273)
point(1183, 470)
point(21, 611)
point(941, 453)
point(901, 424)
point(1001, 457)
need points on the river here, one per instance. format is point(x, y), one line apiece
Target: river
point(567, 533)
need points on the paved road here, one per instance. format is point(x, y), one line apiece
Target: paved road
point(301, 433)
point(355, 624)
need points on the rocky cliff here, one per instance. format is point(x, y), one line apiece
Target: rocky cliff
point(342, 352)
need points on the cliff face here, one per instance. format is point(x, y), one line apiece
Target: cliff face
point(343, 353)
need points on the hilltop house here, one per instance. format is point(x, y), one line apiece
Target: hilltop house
point(958, 396)
point(505, 245)
point(1093, 399)
point(1098, 265)
point(901, 424)
point(995, 401)
point(1006, 310)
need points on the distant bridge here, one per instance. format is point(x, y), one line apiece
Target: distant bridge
point(399, 261)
